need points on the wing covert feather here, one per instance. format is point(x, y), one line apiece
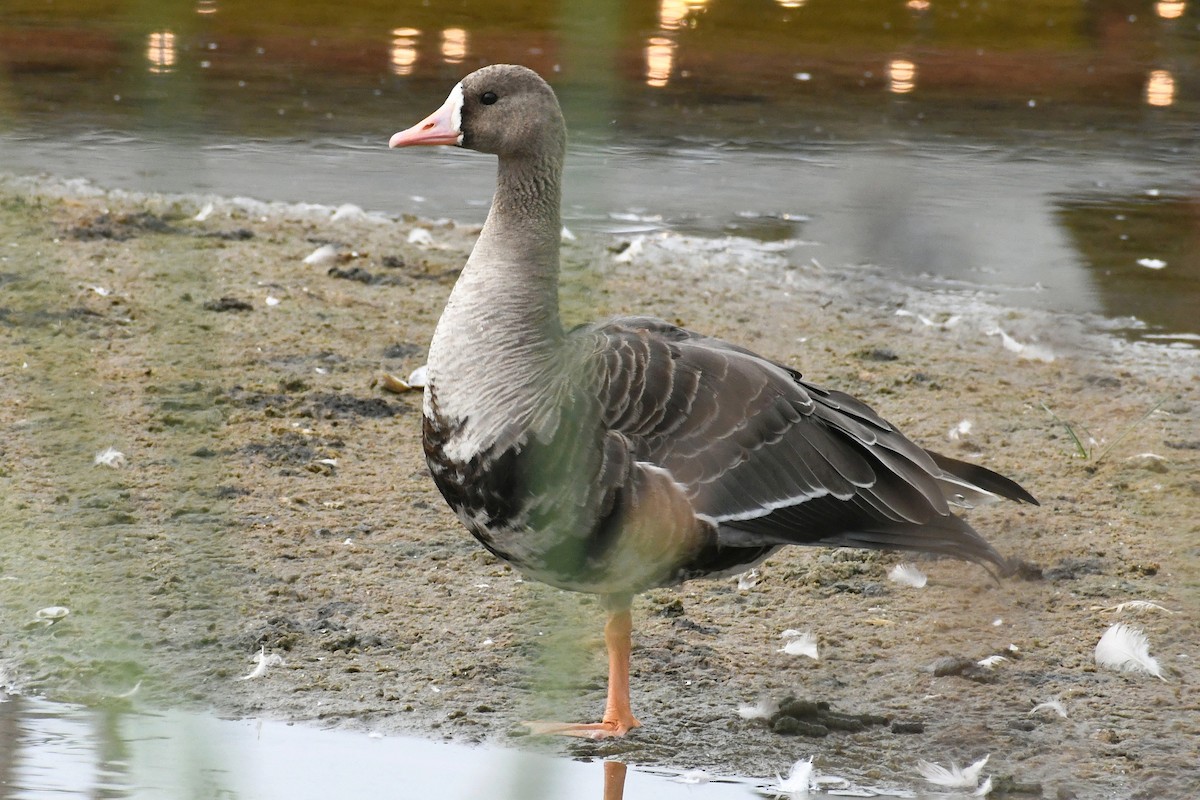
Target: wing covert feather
point(770, 457)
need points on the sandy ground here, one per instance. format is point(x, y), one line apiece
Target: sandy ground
point(273, 496)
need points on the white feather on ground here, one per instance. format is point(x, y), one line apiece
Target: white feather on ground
point(52, 614)
point(800, 644)
point(763, 709)
point(799, 779)
point(419, 377)
point(693, 777)
point(1051, 705)
point(126, 695)
point(1126, 649)
point(955, 777)
point(909, 575)
point(747, 580)
point(325, 254)
point(960, 431)
point(347, 211)
point(416, 380)
point(1136, 605)
point(110, 457)
point(420, 237)
point(263, 662)
point(991, 662)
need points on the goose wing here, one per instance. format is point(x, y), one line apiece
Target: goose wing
point(772, 459)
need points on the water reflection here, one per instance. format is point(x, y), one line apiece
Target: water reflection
point(660, 57)
point(1119, 235)
point(10, 736)
point(614, 780)
point(454, 45)
point(1160, 88)
point(1170, 9)
point(160, 51)
point(53, 750)
point(48, 748)
point(992, 57)
point(676, 14)
point(404, 50)
point(1042, 78)
point(902, 74)
point(673, 15)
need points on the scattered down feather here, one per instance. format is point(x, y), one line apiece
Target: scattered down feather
point(800, 644)
point(263, 661)
point(747, 580)
point(109, 457)
point(325, 254)
point(1137, 605)
point(1126, 649)
point(763, 709)
point(693, 777)
point(908, 575)
point(955, 777)
point(1051, 705)
point(799, 779)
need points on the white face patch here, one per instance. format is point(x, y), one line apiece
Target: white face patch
point(455, 101)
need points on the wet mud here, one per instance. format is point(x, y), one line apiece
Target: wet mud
point(273, 499)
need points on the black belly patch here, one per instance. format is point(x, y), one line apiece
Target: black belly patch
point(486, 488)
point(555, 492)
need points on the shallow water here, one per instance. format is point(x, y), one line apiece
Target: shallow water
point(60, 750)
point(1043, 151)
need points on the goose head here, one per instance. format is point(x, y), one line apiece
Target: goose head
point(503, 109)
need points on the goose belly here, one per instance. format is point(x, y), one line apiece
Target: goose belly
point(557, 513)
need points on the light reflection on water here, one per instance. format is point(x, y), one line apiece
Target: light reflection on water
point(404, 50)
point(160, 52)
point(1098, 95)
point(57, 750)
point(707, 112)
point(1160, 88)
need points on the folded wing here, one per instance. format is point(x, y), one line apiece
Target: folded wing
point(772, 459)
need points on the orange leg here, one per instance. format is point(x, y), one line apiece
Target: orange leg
point(614, 780)
point(618, 716)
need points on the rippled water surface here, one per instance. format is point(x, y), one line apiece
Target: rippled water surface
point(55, 750)
point(1043, 150)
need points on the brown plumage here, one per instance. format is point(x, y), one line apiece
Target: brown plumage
point(633, 453)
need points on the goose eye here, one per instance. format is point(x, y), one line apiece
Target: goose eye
point(488, 98)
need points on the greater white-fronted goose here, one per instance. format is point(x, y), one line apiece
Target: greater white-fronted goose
point(632, 453)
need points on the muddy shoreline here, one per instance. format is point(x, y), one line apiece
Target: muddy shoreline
point(273, 498)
